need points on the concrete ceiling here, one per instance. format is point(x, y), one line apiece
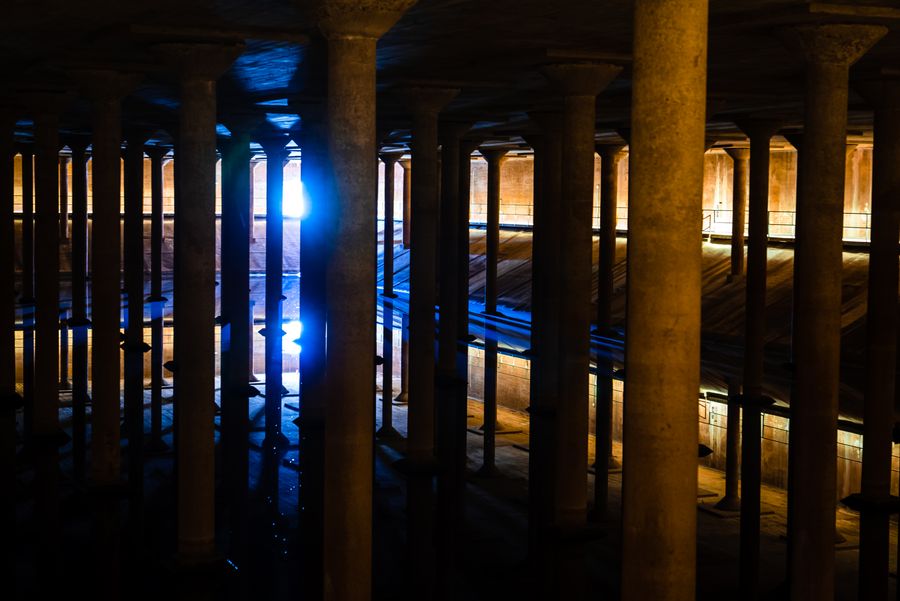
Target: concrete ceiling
point(492, 50)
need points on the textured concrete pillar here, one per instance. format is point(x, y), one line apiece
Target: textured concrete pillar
point(829, 50)
point(579, 84)
point(760, 133)
point(387, 391)
point(406, 165)
point(425, 104)
point(133, 268)
point(610, 159)
point(198, 65)
point(156, 299)
point(276, 155)
point(740, 192)
point(390, 160)
point(451, 405)
point(78, 320)
point(881, 342)
point(351, 31)
point(662, 355)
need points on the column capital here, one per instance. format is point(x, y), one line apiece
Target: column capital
point(105, 84)
point(453, 130)
point(609, 150)
point(840, 44)
point(273, 145)
point(795, 138)
point(709, 142)
point(243, 124)
point(427, 101)
point(581, 79)
point(625, 134)
point(390, 157)
point(405, 164)
point(360, 18)
point(738, 153)
point(760, 128)
point(76, 143)
point(156, 153)
point(494, 155)
point(200, 61)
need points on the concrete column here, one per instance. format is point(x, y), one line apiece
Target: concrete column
point(389, 159)
point(425, 104)
point(662, 356)
point(881, 342)
point(760, 133)
point(451, 405)
point(347, 525)
point(495, 159)
point(610, 159)
point(829, 50)
point(8, 396)
point(198, 65)
point(156, 299)
point(63, 198)
point(740, 193)
point(79, 321)
point(387, 430)
point(579, 84)
point(406, 164)
point(235, 329)
point(26, 298)
point(133, 243)
point(545, 318)
point(403, 395)
point(731, 500)
point(276, 155)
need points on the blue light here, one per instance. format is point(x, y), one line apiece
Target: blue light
point(293, 332)
point(295, 203)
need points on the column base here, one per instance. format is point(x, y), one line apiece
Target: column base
point(388, 433)
point(156, 446)
point(730, 504)
point(488, 471)
point(402, 399)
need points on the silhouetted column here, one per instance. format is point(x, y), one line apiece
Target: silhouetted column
point(389, 159)
point(9, 399)
point(63, 197)
point(544, 340)
point(199, 65)
point(351, 34)
point(829, 50)
point(276, 155)
point(26, 300)
point(403, 395)
point(79, 321)
point(133, 243)
point(740, 193)
point(881, 342)
point(235, 327)
point(610, 158)
point(451, 407)
point(731, 500)
point(760, 133)
point(406, 164)
point(662, 355)
point(156, 299)
point(105, 89)
point(579, 84)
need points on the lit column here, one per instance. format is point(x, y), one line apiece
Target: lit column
point(740, 193)
point(276, 155)
point(387, 430)
point(579, 84)
point(406, 165)
point(610, 159)
point(199, 65)
point(829, 50)
point(352, 32)
point(63, 197)
point(78, 320)
point(760, 133)
point(662, 355)
point(881, 343)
